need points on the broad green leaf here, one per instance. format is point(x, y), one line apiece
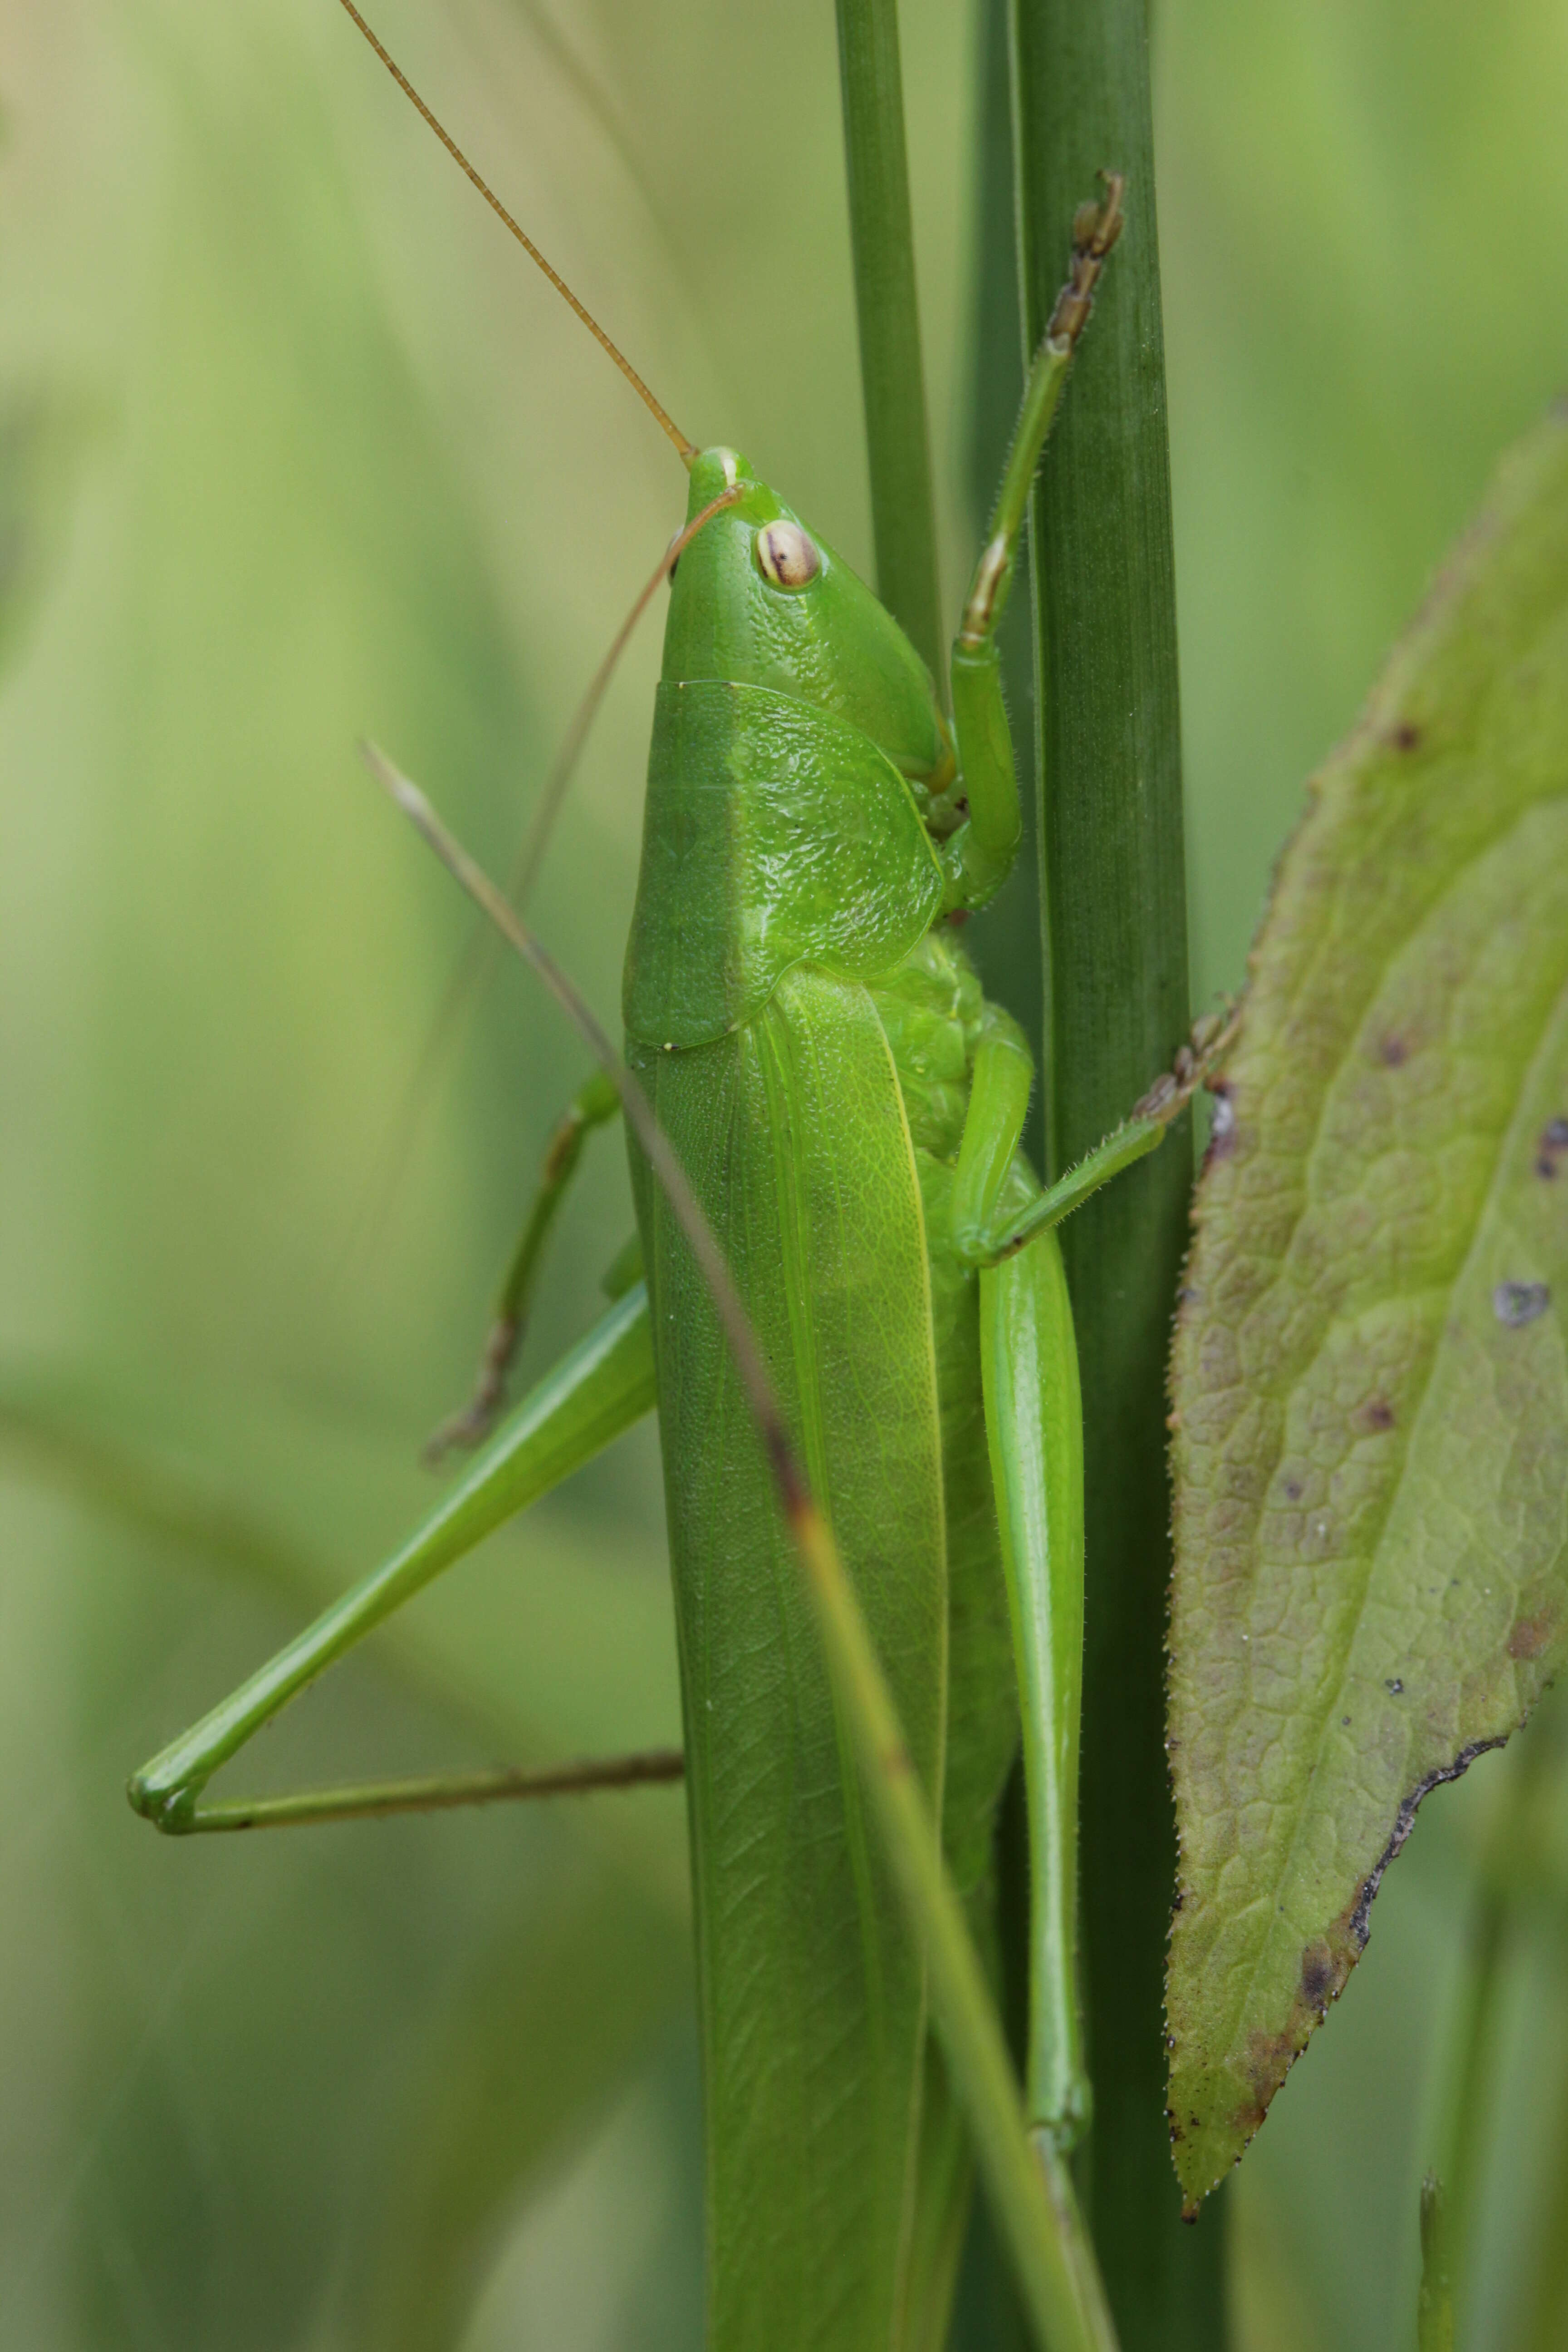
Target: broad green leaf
point(1370, 1383)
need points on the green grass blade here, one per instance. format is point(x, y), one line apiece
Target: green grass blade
point(1543, 2289)
point(893, 376)
point(1116, 991)
point(78, 1436)
point(1434, 2308)
point(561, 2005)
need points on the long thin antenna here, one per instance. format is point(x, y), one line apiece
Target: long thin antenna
point(687, 449)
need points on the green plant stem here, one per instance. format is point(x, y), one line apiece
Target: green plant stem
point(903, 514)
point(1469, 2075)
point(1114, 921)
point(1519, 1872)
point(1543, 2287)
point(1434, 2310)
point(1032, 2195)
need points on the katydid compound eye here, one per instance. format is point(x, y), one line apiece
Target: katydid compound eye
point(785, 555)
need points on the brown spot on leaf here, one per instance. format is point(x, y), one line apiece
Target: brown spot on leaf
point(1318, 1974)
point(1406, 736)
point(1326, 1964)
point(1515, 1304)
point(1550, 1148)
point(1374, 1414)
point(1269, 2060)
point(1527, 1636)
point(1293, 1489)
point(1394, 1050)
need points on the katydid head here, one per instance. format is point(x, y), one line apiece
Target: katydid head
point(795, 731)
point(761, 599)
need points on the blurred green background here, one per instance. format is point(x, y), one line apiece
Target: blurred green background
point(293, 446)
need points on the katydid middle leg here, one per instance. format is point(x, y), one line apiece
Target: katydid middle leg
point(595, 1105)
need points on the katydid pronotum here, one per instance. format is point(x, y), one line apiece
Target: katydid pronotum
point(848, 1307)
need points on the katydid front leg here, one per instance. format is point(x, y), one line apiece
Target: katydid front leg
point(988, 843)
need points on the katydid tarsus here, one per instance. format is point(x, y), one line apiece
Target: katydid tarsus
point(850, 1313)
